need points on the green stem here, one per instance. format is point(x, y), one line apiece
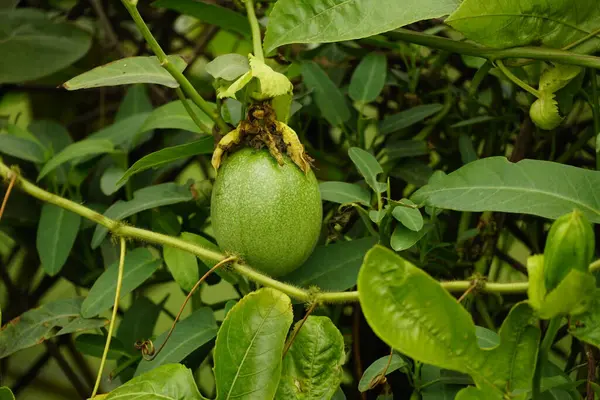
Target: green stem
point(120, 229)
point(184, 83)
point(256, 37)
point(516, 80)
point(596, 110)
point(536, 53)
point(111, 328)
point(545, 347)
point(478, 78)
point(191, 112)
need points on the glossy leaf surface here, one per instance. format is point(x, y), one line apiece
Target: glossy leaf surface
point(409, 310)
point(250, 344)
point(293, 21)
point(128, 71)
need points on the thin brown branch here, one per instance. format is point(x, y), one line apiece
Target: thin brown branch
point(145, 345)
point(298, 327)
point(591, 371)
point(11, 184)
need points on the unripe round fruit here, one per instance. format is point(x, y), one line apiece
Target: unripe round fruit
point(269, 215)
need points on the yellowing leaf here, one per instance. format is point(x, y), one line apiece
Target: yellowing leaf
point(272, 83)
point(235, 86)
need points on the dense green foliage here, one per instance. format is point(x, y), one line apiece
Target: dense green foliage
point(420, 220)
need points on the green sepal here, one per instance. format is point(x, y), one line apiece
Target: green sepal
point(544, 112)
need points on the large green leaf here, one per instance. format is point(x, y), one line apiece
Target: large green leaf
point(381, 367)
point(332, 267)
point(56, 235)
point(327, 95)
point(410, 311)
point(295, 21)
point(140, 264)
point(250, 344)
point(210, 13)
point(312, 367)
point(173, 115)
point(168, 382)
point(143, 199)
point(168, 155)
point(368, 78)
point(542, 188)
point(39, 324)
point(518, 23)
point(138, 322)
point(586, 326)
point(191, 333)
point(37, 45)
point(23, 148)
point(78, 150)
point(344, 193)
point(128, 71)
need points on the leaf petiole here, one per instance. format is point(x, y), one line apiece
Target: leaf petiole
point(516, 80)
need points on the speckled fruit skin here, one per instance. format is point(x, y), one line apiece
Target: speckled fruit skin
point(268, 214)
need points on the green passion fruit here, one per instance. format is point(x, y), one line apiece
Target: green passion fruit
point(266, 213)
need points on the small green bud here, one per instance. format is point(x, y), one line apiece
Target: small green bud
point(544, 112)
point(570, 245)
